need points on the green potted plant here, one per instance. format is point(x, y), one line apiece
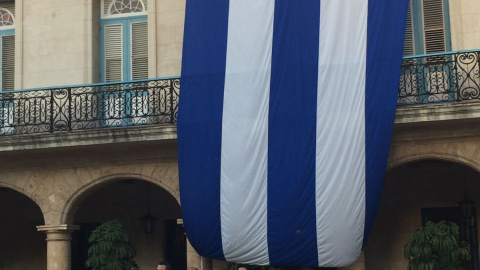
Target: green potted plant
point(436, 246)
point(110, 248)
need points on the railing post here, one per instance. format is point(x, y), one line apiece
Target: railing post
point(455, 66)
point(69, 120)
point(52, 118)
point(172, 112)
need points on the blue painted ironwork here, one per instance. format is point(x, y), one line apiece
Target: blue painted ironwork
point(440, 77)
point(107, 105)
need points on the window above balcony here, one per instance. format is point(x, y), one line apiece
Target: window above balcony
point(428, 27)
point(7, 45)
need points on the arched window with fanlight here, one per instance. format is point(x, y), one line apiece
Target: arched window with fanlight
point(7, 45)
point(123, 40)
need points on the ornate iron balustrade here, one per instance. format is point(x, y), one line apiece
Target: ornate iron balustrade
point(443, 77)
point(106, 105)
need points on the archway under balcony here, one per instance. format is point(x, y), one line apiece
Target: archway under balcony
point(127, 198)
point(418, 189)
point(21, 245)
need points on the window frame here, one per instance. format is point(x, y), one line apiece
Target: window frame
point(126, 23)
point(418, 22)
point(4, 32)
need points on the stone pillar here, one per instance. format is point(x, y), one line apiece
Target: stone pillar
point(359, 264)
point(195, 260)
point(59, 240)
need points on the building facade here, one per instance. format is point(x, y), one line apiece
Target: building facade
point(80, 143)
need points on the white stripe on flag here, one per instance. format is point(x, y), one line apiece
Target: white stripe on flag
point(340, 164)
point(243, 184)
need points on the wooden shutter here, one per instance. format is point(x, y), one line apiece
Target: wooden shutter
point(408, 45)
point(433, 26)
point(139, 51)
point(113, 53)
point(8, 62)
point(106, 4)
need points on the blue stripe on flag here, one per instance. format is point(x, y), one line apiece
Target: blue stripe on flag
point(384, 44)
point(292, 234)
point(200, 126)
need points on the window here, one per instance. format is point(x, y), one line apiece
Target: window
point(123, 41)
point(428, 27)
point(7, 45)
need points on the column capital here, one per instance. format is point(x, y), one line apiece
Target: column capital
point(59, 237)
point(58, 228)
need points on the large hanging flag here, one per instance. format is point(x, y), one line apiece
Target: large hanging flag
point(286, 112)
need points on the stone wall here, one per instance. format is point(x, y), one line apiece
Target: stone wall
point(465, 24)
point(85, 185)
point(57, 41)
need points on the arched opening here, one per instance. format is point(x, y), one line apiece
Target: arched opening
point(128, 200)
point(21, 245)
point(414, 193)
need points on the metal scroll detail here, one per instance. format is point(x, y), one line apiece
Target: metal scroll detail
point(439, 78)
point(66, 109)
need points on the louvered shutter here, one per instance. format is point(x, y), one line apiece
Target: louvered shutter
point(408, 44)
point(106, 4)
point(433, 26)
point(8, 62)
point(139, 50)
point(113, 53)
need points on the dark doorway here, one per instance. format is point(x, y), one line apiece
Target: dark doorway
point(177, 245)
point(80, 245)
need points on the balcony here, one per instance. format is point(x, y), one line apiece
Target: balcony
point(109, 105)
point(443, 77)
point(106, 113)
point(121, 109)
point(448, 83)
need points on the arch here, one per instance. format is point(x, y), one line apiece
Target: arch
point(409, 189)
point(466, 161)
point(22, 244)
point(126, 7)
point(77, 197)
point(21, 191)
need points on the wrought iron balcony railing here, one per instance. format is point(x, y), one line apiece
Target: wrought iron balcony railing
point(442, 77)
point(89, 106)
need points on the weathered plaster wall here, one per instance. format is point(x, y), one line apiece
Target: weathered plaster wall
point(411, 185)
point(81, 185)
point(170, 16)
point(408, 189)
point(465, 24)
point(57, 40)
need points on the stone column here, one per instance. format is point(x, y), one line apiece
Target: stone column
point(193, 258)
point(59, 240)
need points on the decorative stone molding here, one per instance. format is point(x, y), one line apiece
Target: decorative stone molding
point(88, 137)
point(50, 229)
point(437, 112)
